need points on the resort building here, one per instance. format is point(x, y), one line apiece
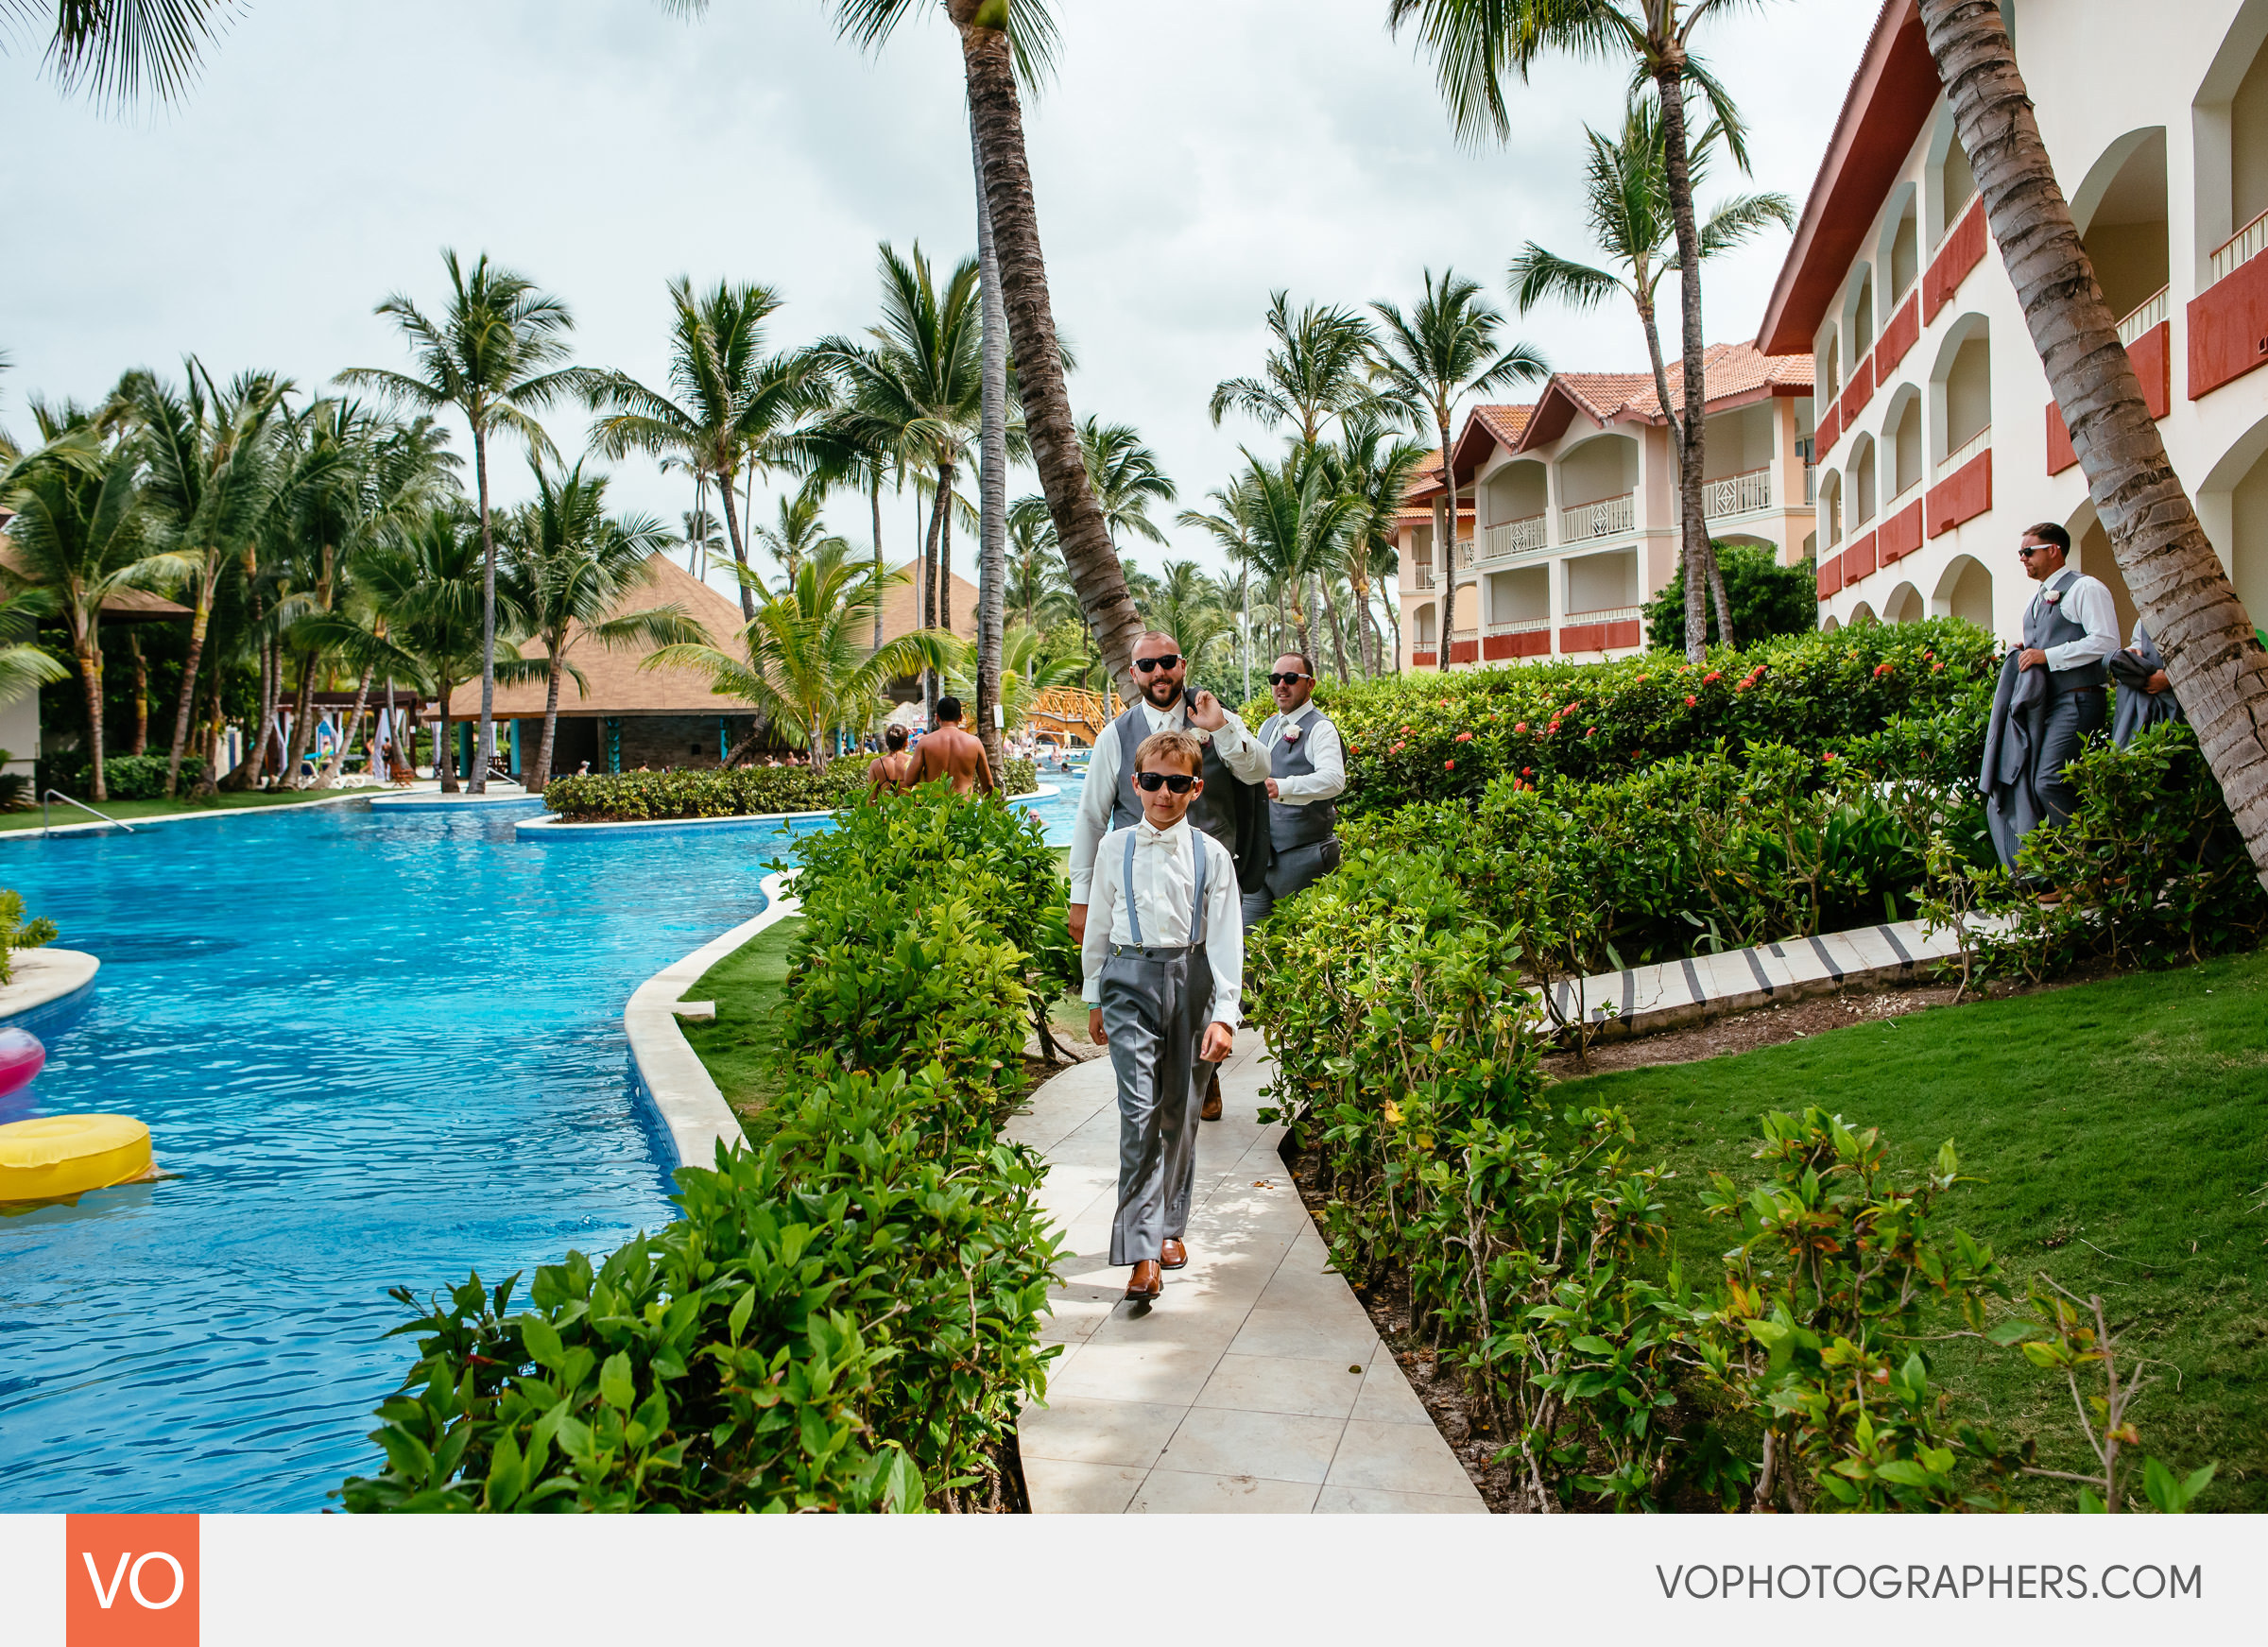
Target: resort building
point(1571, 522)
point(627, 716)
point(1938, 442)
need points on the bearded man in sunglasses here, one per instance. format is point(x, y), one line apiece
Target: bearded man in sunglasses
point(1112, 801)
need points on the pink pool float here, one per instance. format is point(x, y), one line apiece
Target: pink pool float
point(21, 1058)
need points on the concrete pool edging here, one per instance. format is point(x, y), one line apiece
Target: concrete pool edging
point(30, 833)
point(548, 825)
point(47, 983)
point(670, 1074)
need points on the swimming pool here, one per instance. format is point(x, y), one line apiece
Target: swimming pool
point(380, 1048)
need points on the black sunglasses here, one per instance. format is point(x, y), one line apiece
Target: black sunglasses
point(1153, 781)
point(1286, 679)
point(1146, 664)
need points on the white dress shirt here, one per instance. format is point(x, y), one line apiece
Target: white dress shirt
point(1327, 781)
point(2086, 602)
point(1165, 882)
point(1236, 746)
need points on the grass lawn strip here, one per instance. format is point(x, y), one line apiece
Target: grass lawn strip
point(2120, 1132)
point(737, 1046)
point(137, 811)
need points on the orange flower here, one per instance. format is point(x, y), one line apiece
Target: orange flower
point(1692, 702)
point(1712, 675)
point(1395, 750)
point(1463, 737)
point(1520, 725)
point(1449, 765)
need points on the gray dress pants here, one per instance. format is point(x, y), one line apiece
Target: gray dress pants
point(2071, 716)
point(1155, 1004)
point(1295, 869)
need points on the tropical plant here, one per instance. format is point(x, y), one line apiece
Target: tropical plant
point(730, 406)
point(2213, 653)
point(1766, 598)
point(1626, 202)
point(1294, 526)
point(494, 356)
point(119, 50)
point(214, 468)
point(432, 584)
point(803, 663)
point(1428, 362)
point(572, 568)
point(1473, 42)
point(78, 537)
point(798, 532)
point(1319, 370)
point(1127, 478)
point(1035, 587)
point(18, 933)
point(1369, 465)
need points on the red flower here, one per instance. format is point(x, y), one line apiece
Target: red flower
point(1405, 731)
point(1587, 731)
point(1520, 725)
point(1713, 675)
point(1449, 765)
point(1692, 702)
point(1881, 670)
point(1354, 749)
point(1395, 750)
point(1463, 737)
point(1828, 756)
point(1935, 668)
point(1642, 681)
point(1743, 685)
point(1527, 771)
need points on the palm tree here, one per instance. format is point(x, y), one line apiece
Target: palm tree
point(799, 532)
point(734, 406)
point(493, 356)
point(1187, 605)
point(1126, 477)
point(1036, 585)
point(2213, 654)
point(79, 537)
point(1319, 370)
point(804, 661)
point(1291, 525)
point(118, 50)
point(921, 382)
point(212, 479)
point(572, 565)
point(1627, 203)
point(700, 540)
point(1473, 42)
point(1369, 465)
point(433, 585)
point(1026, 670)
point(1002, 42)
point(1429, 361)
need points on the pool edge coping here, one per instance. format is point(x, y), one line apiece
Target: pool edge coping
point(71, 978)
point(670, 1073)
point(548, 825)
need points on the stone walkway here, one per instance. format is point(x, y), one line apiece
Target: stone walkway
point(1257, 1382)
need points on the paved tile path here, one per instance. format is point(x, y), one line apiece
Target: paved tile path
point(1257, 1382)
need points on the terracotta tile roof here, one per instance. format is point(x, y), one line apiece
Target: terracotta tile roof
point(1507, 423)
point(1732, 373)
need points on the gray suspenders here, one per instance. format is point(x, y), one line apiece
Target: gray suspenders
point(1196, 914)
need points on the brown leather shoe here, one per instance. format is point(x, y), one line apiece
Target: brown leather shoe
point(1211, 1109)
point(1147, 1283)
point(1172, 1254)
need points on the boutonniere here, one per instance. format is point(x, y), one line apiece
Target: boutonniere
point(2053, 598)
point(1291, 734)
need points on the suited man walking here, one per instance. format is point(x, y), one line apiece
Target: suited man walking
point(1307, 774)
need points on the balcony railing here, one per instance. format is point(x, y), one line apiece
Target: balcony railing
point(1422, 576)
point(1520, 537)
point(1736, 494)
point(1980, 441)
point(1463, 551)
point(2241, 247)
point(1457, 635)
point(1518, 627)
point(1810, 482)
point(2152, 311)
point(1902, 499)
point(1602, 519)
point(1605, 615)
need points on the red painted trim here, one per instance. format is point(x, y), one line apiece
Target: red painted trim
point(1963, 250)
point(1961, 496)
point(1829, 430)
point(1856, 393)
point(2151, 354)
point(1899, 335)
point(1830, 575)
point(1423, 658)
point(1530, 643)
point(1625, 632)
point(1463, 651)
point(2060, 455)
point(1858, 561)
point(1901, 534)
point(1889, 102)
point(2229, 329)
point(1583, 638)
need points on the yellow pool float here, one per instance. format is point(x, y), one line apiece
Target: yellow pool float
point(68, 1155)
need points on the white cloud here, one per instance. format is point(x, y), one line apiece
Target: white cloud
point(1190, 157)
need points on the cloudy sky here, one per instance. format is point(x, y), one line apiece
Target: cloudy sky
point(1192, 156)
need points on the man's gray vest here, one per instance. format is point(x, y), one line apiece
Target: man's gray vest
point(2046, 626)
point(1296, 826)
point(1214, 811)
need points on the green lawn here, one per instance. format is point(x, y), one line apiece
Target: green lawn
point(134, 811)
point(2122, 1132)
point(746, 986)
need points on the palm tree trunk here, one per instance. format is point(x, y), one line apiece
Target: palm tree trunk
point(332, 767)
point(740, 553)
point(133, 647)
point(486, 742)
point(445, 750)
point(199, 621)
point(302, 716)
point(1716, 589)
point(2212, 655)
point(1338, 633)
point(1669, 80)
point(1445, 550)
point(1713, 574)
point(90, 674)
point(1096, 577)
point(992, 477)
point(551, 714)
point(875, 497)
point(929, 589)
point(946, 476)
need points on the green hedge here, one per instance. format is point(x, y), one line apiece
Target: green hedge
point(1425, 736)
point(744, 791)
point(847, 1315)
point(125, 777)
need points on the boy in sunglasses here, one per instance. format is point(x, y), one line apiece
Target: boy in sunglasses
point(1163, 952)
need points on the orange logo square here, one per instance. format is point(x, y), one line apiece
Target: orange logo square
point(130, 1581)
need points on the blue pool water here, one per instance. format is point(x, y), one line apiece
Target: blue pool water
point(380, 1048)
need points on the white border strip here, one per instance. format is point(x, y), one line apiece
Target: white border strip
point(676, 1081)
point(33, 832)
point(548, 825)
point(43, 977)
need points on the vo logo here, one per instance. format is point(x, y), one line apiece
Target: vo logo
point(130, 1581)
